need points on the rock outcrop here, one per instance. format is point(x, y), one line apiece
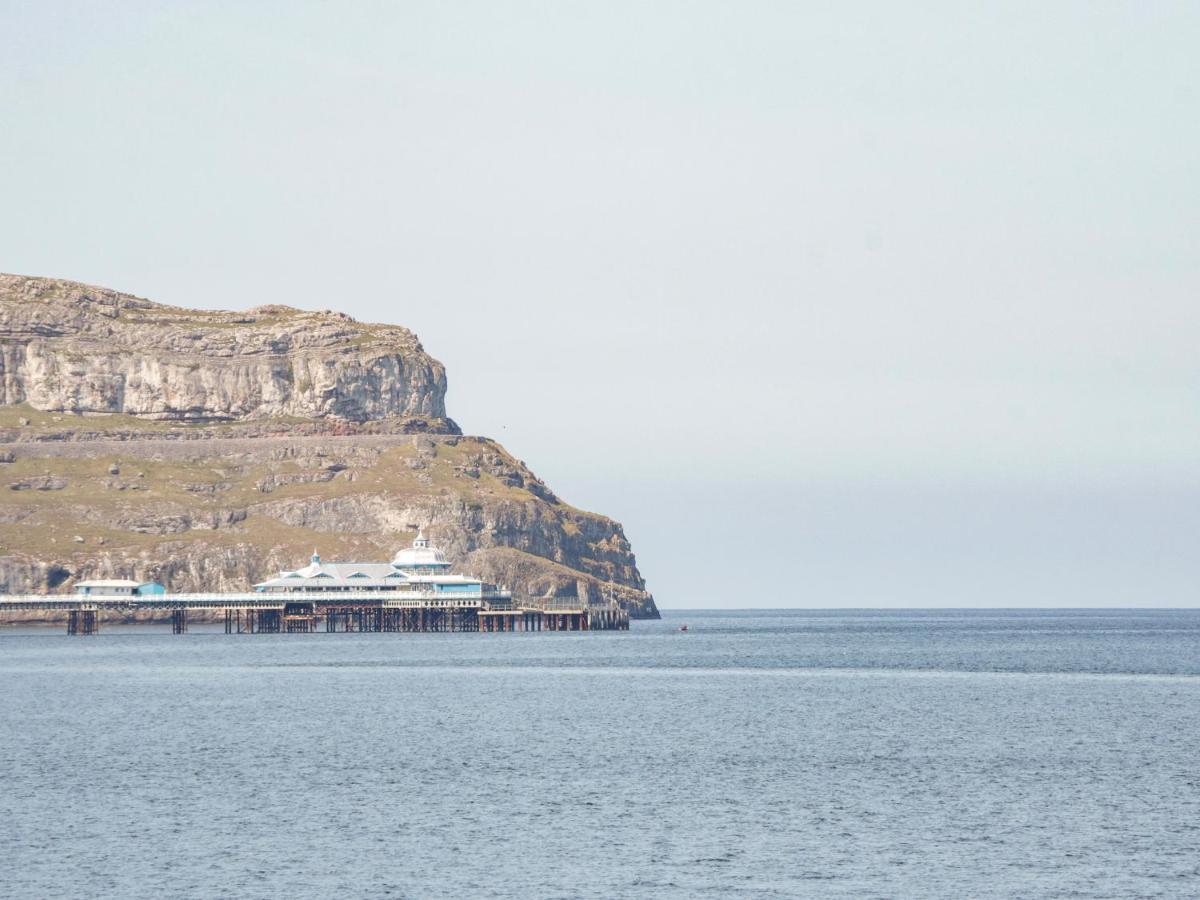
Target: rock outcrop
point(74, 348)
point(240, 467)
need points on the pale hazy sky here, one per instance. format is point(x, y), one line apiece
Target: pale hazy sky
point(829, 303)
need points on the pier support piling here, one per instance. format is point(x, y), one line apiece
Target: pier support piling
point(83, 621)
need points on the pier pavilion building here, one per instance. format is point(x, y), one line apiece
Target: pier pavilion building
point(419, 568)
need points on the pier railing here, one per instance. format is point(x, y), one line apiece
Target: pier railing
point(299, 611)
point(246, 600)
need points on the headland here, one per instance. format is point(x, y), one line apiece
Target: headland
point(206, 450)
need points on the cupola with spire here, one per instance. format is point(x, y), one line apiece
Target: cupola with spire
point(421, 557)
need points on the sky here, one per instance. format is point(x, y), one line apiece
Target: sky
point(830, 304)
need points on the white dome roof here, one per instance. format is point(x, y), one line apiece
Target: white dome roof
point(419, 554)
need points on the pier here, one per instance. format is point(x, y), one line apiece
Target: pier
point(332, 612)
point(415, 592)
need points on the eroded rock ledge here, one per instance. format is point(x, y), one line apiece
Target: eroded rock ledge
point(70, 347)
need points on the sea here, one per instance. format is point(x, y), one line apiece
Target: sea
point(758, 754)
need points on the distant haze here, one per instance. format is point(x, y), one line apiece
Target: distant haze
point(829, 304)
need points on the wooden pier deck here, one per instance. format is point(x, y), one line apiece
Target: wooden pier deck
point(333, 612)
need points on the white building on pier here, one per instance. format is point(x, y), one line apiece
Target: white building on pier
point(419, 568)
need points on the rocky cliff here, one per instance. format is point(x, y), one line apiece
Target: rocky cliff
point(74, 348)
point(210, 449)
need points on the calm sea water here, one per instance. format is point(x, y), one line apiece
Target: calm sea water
point(818, 754)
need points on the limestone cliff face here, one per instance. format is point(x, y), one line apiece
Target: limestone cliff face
point(74, 348)
point(208, 487)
